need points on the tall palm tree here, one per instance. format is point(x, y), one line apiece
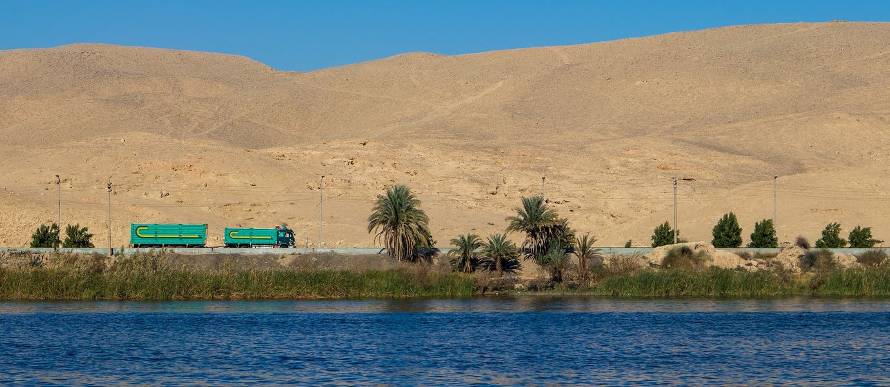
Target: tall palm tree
point(400, 223)
point(464, 256)
point(501, 253)
point(585, 252)
point(542, 227)
point(535, 219)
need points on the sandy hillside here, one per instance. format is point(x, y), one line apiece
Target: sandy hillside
point(224, 140)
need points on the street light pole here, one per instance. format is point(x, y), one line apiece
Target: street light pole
point(321, 213)
point(110, 248)
point(775, 202)
point(59, 188)
point(675, 210)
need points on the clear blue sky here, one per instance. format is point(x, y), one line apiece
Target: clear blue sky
point(293, 35)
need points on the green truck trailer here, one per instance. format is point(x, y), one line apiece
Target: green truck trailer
point(168, 235)
point(280, 236)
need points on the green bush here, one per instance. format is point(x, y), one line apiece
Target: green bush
point(628, 244)
point(727, 232)
point(77, 237)
point(831, 237)
point(764, 235)
point(46, 236)
point(663, 235)
point(860, 237)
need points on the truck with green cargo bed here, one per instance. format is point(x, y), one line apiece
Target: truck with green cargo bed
point(280, 236)
point(168, 235)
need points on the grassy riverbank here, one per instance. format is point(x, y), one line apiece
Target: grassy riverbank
point(163, 278)
point(56, 284)
point(725, 283)
point(167, 277)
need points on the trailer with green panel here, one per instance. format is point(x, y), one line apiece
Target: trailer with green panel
point(280, 236)
point(168, 235)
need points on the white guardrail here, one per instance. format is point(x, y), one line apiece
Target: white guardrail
point(358, 250)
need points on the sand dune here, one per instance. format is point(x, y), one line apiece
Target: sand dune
point(222, 139)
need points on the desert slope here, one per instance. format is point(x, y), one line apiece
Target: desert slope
point(221, 139)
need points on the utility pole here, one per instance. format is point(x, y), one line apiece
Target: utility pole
point(321, 214)
point(675, 210)
point(110, 248)
point(775, 198)
point(59, 188)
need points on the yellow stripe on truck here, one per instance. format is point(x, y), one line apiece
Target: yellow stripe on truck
point(142, 228)
point(233, 235)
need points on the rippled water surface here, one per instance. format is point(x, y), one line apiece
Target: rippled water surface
point(525, 340)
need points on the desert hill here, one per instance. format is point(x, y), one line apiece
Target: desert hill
point(221, 139)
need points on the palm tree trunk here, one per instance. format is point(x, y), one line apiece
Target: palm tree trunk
point(499, 266)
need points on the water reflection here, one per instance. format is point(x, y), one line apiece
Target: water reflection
point(499, 304)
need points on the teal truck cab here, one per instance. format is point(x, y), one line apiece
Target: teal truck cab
point(280, 236)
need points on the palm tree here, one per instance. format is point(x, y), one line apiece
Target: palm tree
point(464, 258)
point(400, 224)
point(555, 260)
point(585, 252)
point(534, 219)
point(542, 227)
point(501, 253)
point(76, 236)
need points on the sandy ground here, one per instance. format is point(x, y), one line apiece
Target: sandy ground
point(207, 138)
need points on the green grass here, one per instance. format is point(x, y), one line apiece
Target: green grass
point(684, 283)
point(865, 282)
point(60, 284)
point(159, 278)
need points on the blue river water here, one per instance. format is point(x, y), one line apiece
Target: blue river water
point(523, 340)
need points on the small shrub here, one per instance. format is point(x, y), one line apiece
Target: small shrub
point(860, 237)
point(683, 257)
point(764, 235)
point(802, 242)
point(46, 236)
point(663, 235)
point(727, 232)
point(872, 258)
point(831, 237)
point(627, 244)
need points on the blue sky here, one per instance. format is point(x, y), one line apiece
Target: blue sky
point(293, 35)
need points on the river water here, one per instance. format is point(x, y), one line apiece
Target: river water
point(524, 340)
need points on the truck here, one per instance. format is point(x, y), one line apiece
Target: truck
point(168, 235)
point(280, 236)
